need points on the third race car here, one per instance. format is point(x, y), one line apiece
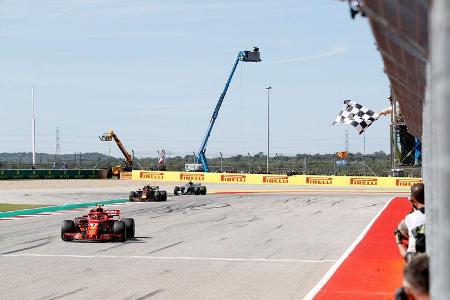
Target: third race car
point(190, 188)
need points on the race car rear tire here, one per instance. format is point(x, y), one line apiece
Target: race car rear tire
point(132, 196)
point(157, 196)
point(68, 226)
point(197, 190)
point(203, 190)
point(129, 224)
point(176, 190)
point(183, 189)
point(120, 229)
point(163, 195)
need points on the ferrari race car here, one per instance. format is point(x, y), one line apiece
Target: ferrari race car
point(190, 188)
point(98, 225)
point(148, 193)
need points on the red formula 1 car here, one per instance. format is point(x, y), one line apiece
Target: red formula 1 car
point(98, 225)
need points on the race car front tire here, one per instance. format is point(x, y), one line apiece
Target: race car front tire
point(203, 190)
point(120, 229)
point(176, 190)
point(163, 195)
point(68, 226)
point(132, 196)
point(197, 190)
point(129, 224)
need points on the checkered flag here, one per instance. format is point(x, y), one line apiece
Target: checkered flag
point(355, 114)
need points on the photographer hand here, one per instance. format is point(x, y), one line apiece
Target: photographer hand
point(398, 239)
point(400, 246)
point(398, 236)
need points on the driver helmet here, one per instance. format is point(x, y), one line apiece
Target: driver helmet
point(99, 208)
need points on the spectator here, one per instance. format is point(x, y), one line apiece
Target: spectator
point(415, 280)
point(54, 166)
point(415, 222)
point(386, 111)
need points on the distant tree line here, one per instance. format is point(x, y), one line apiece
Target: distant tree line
point(377, 163)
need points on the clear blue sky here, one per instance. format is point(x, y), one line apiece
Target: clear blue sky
point(153, 71)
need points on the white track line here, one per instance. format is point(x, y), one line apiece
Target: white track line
point(313, 292)
point(26, 216)
point(172, 258)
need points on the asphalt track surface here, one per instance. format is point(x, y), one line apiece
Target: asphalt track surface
point(247, 246)
point(54, 192)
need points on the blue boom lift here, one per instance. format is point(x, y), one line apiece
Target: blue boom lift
point(245, 56)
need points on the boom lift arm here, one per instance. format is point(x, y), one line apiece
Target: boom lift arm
point(245, 56)
point(109, 136)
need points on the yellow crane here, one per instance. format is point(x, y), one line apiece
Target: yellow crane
point(127, 164)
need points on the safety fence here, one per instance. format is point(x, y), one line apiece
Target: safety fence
point(51, 174)
point(263, 179)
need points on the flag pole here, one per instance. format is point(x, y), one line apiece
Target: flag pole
point(33, 128)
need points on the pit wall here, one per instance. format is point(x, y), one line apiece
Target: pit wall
point(312, 180)
point(7, 174)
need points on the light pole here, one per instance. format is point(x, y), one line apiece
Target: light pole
point(268, 127)
point(276, 154)
point(221, 162)
point(33, 129)
point(157, 163)
point(249, 162)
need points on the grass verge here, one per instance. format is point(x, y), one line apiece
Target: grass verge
point(13, 207)
point(46, 209)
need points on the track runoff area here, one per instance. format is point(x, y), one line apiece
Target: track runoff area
point(285, 244)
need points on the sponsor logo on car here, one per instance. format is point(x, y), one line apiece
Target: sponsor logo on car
point(192, 177)
point(275, 179)
point(363, 181)
point(233, 178)
point(151, 175)
point(319, 180)
point(407, 181)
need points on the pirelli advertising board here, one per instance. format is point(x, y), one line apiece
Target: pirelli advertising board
point(192, 176)
point(270, 179)
point(275, 179)
point(319, 180)
point(232, 178)
point(151, 175)
point(364, 181)
point(399, 182)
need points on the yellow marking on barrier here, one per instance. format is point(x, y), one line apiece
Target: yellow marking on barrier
point(281, 180)
point(306, 191)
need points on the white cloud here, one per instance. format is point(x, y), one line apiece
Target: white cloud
point(331, 52)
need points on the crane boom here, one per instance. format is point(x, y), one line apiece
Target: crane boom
point(246, 56)
point(109, 136)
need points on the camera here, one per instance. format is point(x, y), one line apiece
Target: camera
point(400, 294)
point(399, 235)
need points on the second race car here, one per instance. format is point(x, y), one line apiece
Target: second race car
point(148, 193)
